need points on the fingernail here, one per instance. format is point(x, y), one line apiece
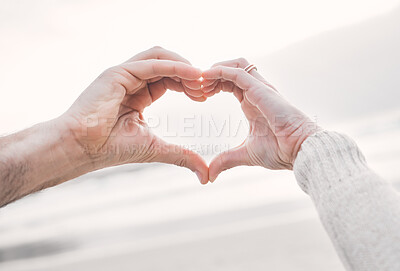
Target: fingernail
point(198, 175)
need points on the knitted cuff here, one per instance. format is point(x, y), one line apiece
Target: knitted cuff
point(327, 160)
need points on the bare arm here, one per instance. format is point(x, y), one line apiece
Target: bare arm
point(39, 157)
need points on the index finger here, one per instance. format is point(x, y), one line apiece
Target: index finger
point(147, 69)
point(238, 76)
point(243, 63)
point(256, 92)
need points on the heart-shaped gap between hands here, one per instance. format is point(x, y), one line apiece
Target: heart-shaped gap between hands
point(208, 128)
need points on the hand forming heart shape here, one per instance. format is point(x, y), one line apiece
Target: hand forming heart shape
point(107, 118)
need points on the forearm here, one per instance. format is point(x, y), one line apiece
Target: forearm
point(39, 157)
point(359, 210)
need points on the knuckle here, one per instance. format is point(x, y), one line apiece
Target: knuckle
point(218, 64)
point(220, 71)
point(241, 71)
point(243, 74)
point(112, 78)
point(153, 65)
point(110, 73)
point(242, 62)
point(185, 156)
point(157, 48)
point(182, 162)
point(151, 62)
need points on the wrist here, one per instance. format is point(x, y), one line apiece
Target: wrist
point(69, 155)
point(319, 153)
point(86, 142)
point(309, 129)
point(41, 156)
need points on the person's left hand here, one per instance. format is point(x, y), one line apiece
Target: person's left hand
point(277, 128)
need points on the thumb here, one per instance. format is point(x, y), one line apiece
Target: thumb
point(228, 159)
point(177, 155)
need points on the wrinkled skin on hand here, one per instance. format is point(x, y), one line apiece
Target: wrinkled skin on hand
point(277, 128)
point(107, 119)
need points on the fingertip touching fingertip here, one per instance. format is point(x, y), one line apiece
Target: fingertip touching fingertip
point(204, 75)
point(199, 73)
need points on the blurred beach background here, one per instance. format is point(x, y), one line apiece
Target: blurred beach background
point(339, 61)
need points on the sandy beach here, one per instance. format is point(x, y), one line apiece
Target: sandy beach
point(285, 236)
point(157, 217)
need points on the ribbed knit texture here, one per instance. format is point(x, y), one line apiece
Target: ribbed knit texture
point(359, 210)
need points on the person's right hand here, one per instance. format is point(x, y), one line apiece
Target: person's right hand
point(107, 121)
point(277, 128)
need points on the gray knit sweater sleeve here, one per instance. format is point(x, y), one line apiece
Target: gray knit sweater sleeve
point(359, 210)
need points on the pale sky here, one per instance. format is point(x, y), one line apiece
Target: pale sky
point(51, 50)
